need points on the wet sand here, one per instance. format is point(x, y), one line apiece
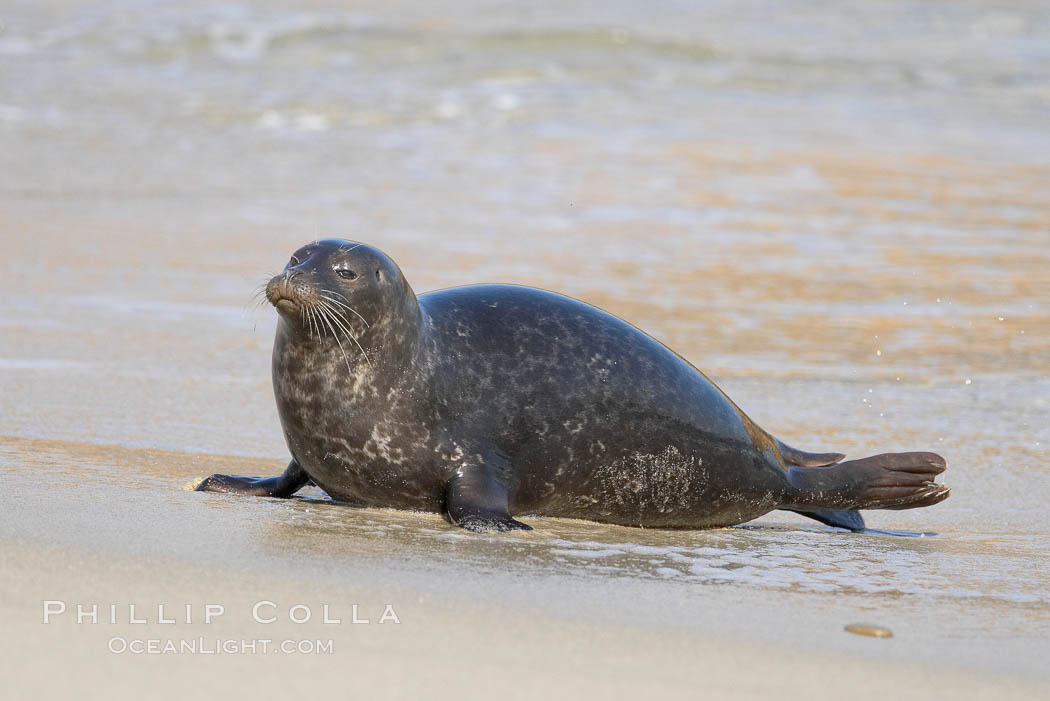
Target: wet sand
point(848, 230)
point(570, 608)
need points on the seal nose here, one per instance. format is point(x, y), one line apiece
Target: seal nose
point(283, 288)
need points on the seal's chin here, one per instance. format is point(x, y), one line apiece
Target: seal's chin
point(286, 305)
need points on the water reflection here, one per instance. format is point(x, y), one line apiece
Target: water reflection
point(767, 556)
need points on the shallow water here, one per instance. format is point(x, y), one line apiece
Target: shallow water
point(839, 214)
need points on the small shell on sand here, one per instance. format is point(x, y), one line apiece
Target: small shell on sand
point(869, 630)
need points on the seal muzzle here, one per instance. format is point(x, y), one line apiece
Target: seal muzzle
point(289, 291)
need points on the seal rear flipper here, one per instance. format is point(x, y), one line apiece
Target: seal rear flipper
point(476, 499)
point(851, 520)
point(888, 481)
point(285, 485)
point(794, 456)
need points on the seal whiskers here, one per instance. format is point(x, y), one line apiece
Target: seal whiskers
point(255, 301)
point(324, 315)
point(347, 306)
point(342, 323)
point(318, 329)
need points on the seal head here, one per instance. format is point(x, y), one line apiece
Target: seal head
point(349, 294)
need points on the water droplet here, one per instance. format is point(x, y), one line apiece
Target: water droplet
point(271, 120)
point(311, 122)
point(1000, 318)
point(506, 101)
point(879, 353)
point(447, 109)
point(967, 381)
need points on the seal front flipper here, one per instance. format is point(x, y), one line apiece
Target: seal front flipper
point(476, 499)
point(285, 485)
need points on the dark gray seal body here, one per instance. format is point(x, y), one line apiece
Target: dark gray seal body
point(489, 401)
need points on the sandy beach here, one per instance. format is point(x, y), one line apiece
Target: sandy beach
point(845, 226)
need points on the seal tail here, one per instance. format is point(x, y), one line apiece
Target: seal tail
point(840, 519)
point(887, 481)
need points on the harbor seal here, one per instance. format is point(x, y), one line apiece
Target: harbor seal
point(488, 402)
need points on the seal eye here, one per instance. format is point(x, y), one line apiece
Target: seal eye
point(346, 273)
point(378, 276)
